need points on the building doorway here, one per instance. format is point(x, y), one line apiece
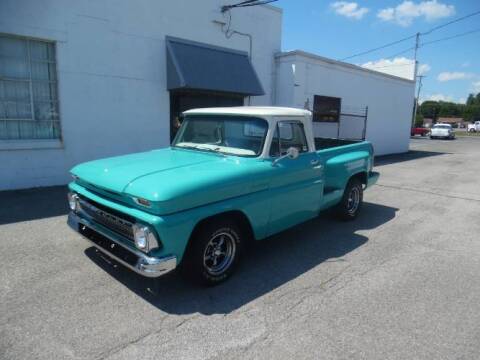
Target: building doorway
point(183, 100)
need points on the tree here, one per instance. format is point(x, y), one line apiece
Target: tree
point(470, 111)
point(430, 109)
point(450, 109)
point(471, 100)
point(419, 120)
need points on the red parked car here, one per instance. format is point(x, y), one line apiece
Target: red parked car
point(419, 131)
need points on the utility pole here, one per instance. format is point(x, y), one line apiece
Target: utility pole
point(420, 78)
point(415, 74)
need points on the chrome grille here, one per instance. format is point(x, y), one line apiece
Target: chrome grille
point(105, 217)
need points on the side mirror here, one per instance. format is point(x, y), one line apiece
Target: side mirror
point(292, 153)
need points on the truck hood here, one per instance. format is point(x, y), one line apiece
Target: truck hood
point(172, 179)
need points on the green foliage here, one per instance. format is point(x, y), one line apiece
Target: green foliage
point(435, 109)
point(471, 100)
point(419, 120)
point(430, 109)
point(472, 113)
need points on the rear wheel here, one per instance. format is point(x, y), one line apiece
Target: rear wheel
point(352, 200)
point(214, 252)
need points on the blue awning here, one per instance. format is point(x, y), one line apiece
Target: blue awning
point(192, 65)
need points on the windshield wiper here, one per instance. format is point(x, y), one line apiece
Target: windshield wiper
point(201, 148)
point(216, 150)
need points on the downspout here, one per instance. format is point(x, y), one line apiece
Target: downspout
point(273, 97)
point(229, 33)
point(250, 40)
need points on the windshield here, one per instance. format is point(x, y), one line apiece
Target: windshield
point(233, 135)
point(441, 127)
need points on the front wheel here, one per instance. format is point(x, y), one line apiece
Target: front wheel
point(213, 253)
point(352, 200)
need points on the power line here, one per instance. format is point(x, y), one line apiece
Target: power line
point(378, 48)
point(246, 3)
point(393, 65)
point(259, 3)
point(450, 37)
point(432, 42)
point(411, 36)
point(392, 56)
point(401, 52)
point(450, 23)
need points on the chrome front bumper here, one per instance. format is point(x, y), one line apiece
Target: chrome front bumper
point(135, 260)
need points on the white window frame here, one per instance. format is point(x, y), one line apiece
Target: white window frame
point(20, 144)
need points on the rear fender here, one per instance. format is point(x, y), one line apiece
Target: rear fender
point(339, 169)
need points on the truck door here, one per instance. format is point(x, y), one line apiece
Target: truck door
point(296, 185)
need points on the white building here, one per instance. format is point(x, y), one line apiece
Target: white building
point(359, 102)
point(81, 80)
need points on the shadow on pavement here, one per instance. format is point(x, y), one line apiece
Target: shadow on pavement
point(31, 204)
point(408, 156)
point(268, 265)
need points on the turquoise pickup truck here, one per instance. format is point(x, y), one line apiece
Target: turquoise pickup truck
point(232, 175)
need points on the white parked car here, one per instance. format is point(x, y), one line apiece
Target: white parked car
point(443, 131)
point(475, 127)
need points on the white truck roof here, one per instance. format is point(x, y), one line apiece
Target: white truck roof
point(251, 110)
point(272, 114)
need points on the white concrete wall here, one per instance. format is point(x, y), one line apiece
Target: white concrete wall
point(112, 74)
point(300, 76)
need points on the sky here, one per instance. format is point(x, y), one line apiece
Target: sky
point(339, 29)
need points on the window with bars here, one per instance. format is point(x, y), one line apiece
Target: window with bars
point(326, 108)
point(28, 89)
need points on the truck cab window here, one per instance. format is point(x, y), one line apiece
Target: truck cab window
point(288, 134)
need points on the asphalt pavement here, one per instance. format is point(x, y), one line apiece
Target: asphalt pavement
point(400, 282)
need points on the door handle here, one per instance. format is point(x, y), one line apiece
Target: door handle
point(314, 162)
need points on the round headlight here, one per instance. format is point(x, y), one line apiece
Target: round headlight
point(140, 234)
point(72, 201)
point(144, 237)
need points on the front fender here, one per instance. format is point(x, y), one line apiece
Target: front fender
point(175, 229)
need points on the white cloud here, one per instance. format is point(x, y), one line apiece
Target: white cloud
point(437, 97)
point(400, 66)
point(423, 69)
point(349, 9)
point(476, 86)
point(404, 13)
point(456, 75)
point(442, 97)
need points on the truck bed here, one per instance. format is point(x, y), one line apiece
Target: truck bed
point(326, 143)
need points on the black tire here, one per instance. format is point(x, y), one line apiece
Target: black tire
point(209, 260)
point(352, 200)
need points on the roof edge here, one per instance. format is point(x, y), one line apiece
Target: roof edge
point(274, 8)
point(340, 63)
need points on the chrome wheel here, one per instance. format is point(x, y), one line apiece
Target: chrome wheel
point(219, 253)
point(353, 200)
